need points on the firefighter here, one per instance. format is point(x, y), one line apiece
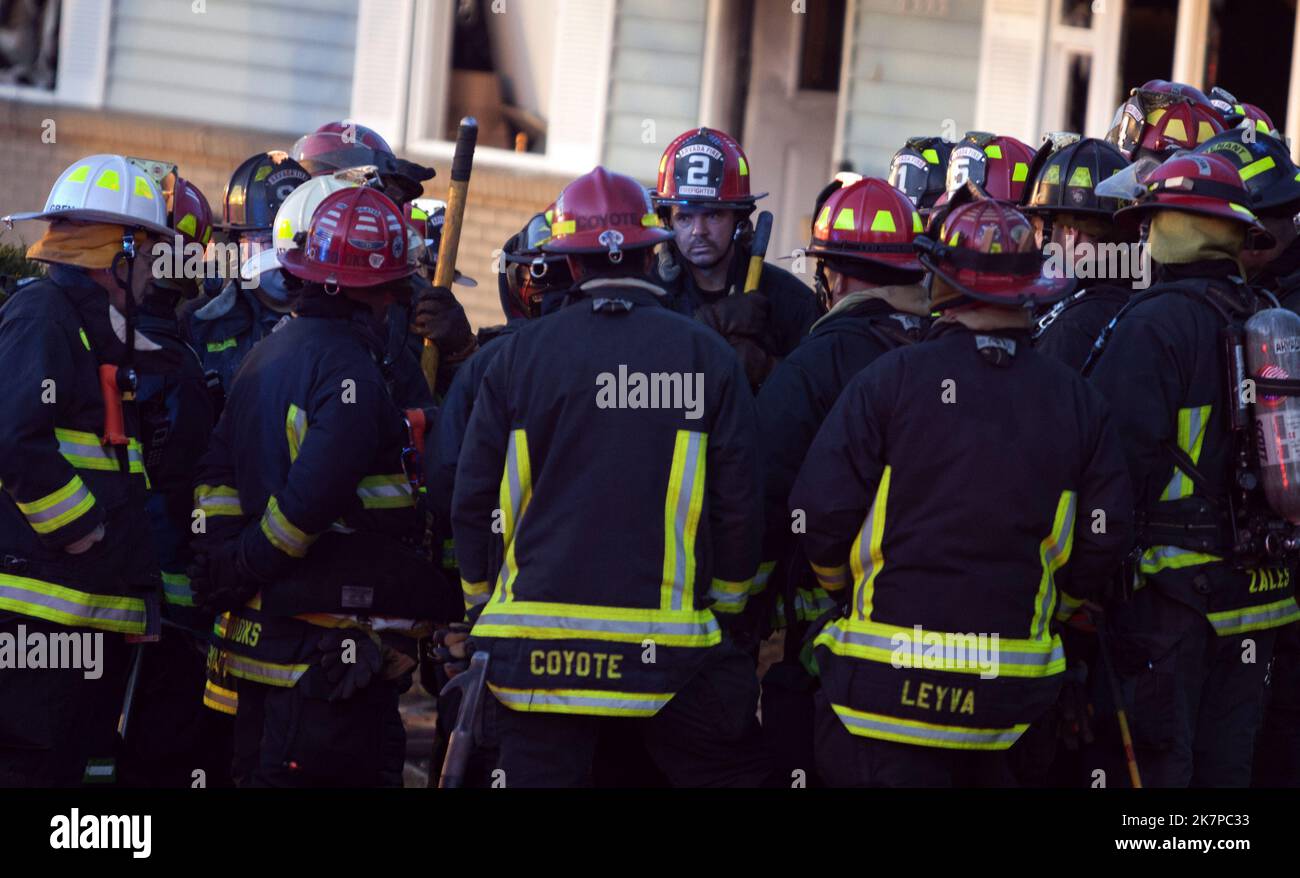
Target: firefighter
point(310, 517)
point(1265, 165)
point(601, 607)
point(1192, 643)
point(920, 171)
point(224, 328)
point(1160, 118)
point(1078, 225)
point(175, 734)
point(961, 488)
point(74, 534)
point(997, 165)
point(869, 276)
point(703, 196)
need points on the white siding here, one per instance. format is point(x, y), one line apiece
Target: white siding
point(655, 74)
point(908, 73)
point(278, 65)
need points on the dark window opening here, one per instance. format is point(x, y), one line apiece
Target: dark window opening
point(1078, 72)
point(1250, 54)
point(29, 43)
point(1148, 43)
point(823, 45)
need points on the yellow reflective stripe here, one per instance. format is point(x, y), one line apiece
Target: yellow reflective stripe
point(761, 577)
point(1054, 551)
point(650, 220)
point(1244, 211)
point(1159, 558)
point(270, 673)
point(475, 593)
point(1020, 173)
point(867, 555)
point(907, 731)
point(215, 347)
point(845, 221)
point(596, 702)
point(109, 180)
point(176, 589)
point(728, 596)
point(217, 500)
point(682, 506)
point(993, 151)
point(931, 156)
point(515, 494)
point(1191, 437)
point(1069, 604)
point(810, 603)
point(68, 606)
point(831, 578)
point(295, 430)
point(220, 699)
point(565, 227)
point(1081, 178)
point(541, 620)
point(1257, 618)
point(60, 508)
point(80, 175)
point(1258, 166)
point(385, 492)
point(742, 166)
point(942, 650)
point(283, 533)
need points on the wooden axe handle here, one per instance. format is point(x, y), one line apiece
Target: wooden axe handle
point(762, 236)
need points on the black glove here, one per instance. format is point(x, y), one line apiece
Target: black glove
point(220, 580)
point(739, 316)
point(1075, 707)
point(742, 321)
point(349, 661)
point(399, 179)
point(436, 315)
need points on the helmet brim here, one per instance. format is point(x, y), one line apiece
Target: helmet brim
point(92, 216)
point(646, 238)
point(1011, 291)
point(296, 263)
point(260, 263)
point(899, 262)
point(1257, 237)
point(722, 204)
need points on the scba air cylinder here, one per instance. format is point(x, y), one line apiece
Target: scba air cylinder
point(1273, 354)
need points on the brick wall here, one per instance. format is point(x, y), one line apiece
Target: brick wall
point(500, 201)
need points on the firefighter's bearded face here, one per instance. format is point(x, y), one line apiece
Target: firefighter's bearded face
point(704, 234)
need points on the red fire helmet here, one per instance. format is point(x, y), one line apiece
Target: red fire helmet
point(705, 167)
point(335, 146)
point(986, 251)
point(604, 212)
point(868, 221)
point(1201, 183)
point(356, 238)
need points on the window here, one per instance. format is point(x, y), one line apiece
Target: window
point(1250, 55)
point(1148, 44)
point(29, 44)
point(822, 45)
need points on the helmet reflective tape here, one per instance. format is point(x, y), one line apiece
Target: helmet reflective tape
point(109, 180)
point(1020, 173)
point(883, 222)
point(1257, 167)
point(80, 175)
point(845, 220)
point(931, 156)
point(1081, 177)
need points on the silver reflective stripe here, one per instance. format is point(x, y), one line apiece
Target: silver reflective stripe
point(59, 508)
point(951, 651)
point(864, 559)
point(610, 702)
point(263, 672)
point(987, 737)
point(385, 491)
point(34, 597)
point(615, 626)
point(1180, 485)
point(1054, 550)
point(682, 517)
point(1232, 621)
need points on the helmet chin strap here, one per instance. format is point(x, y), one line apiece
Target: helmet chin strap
point(127, 255)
